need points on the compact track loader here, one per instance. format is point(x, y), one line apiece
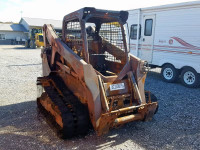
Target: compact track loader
point(88, 76)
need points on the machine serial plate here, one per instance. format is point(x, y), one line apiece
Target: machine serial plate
point(118, 86)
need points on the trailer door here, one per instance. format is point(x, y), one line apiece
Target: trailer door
point(146, 50)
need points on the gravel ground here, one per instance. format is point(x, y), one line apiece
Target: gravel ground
point(175, 126)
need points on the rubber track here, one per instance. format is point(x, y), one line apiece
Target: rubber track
point(74, 114)
point(79, 111)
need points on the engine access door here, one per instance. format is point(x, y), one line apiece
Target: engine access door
point(147, 39)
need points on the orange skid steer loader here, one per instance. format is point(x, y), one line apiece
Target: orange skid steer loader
point(89, 77)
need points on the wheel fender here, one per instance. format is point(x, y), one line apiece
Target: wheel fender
point(179, 64)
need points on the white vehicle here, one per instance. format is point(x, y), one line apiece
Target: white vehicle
point(168, 37)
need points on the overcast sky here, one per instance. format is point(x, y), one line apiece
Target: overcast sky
point(11, 10)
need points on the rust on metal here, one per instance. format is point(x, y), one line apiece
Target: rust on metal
point(92, 63)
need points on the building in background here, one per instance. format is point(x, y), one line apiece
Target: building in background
point(12, 34)
point(19, 33)
point(30, 23)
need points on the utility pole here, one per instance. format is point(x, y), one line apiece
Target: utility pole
point(21, 13)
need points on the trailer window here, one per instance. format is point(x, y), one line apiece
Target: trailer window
point(148, 27)
point(133, 34)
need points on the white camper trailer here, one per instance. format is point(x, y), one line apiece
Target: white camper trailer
point(168, 37)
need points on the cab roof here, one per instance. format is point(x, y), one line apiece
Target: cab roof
point(91, 14)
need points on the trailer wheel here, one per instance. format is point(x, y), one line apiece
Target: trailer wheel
point(190, 78)
point(169, 73)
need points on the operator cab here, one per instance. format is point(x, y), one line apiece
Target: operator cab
point(106, 48)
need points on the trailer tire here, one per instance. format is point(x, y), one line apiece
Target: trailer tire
point(169, 73)
point(190, 78)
